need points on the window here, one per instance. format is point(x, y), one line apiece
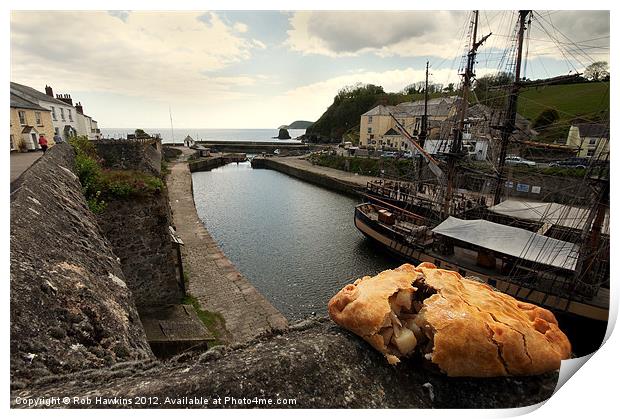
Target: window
point(70, 116)
point(37, 116)
point(22, 117)
point(592, 141)
point(56, 131)
point(591, 153)
point(54, 114)
point(369, 130)
point(370, 119)
point(371, 136)
point(62, 114)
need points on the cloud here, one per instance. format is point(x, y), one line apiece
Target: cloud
point(438, 33)
point(121, 14)
point(149, 54)
point(240, 27)
point(386, 32)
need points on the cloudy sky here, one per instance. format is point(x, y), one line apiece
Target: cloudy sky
point(261, 69)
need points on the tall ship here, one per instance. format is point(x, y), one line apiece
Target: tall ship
point(553, 253)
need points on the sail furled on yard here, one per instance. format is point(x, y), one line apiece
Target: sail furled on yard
point(511, 241)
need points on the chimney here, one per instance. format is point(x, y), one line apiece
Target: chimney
point(48, 91)
point(79, 109)
point(65, 98)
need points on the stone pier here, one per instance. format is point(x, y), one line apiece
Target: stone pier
point(213, 280)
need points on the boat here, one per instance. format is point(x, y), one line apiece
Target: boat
point(554, 255)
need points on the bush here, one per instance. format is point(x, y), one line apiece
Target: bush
point(99, 184)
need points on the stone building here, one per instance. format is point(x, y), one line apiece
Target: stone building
point(28, 120)
point(377, 127)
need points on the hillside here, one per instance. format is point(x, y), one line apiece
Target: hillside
point(344, 113)
point(586, 101)
point(299, 125)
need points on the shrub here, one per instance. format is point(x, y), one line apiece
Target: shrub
point(99, 184)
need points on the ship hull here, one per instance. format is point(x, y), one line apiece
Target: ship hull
point(416, 253)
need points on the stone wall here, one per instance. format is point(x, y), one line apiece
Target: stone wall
point(70, 306)
point(208, 163)
point(316, 363)
point(142, 155)
point(137, 229)
point(311, 177)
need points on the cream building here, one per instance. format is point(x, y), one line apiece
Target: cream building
point(590, 140)
point(64, 118)
point(378, 128)
point(28, 120)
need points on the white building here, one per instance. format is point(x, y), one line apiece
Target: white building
point(65, 117)
point(86, 125)
point(590, 140)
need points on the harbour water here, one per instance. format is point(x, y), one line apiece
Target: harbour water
point(207, 134)
point(294, 241)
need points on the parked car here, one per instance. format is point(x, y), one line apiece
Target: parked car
point(519, 161)
point(389, 154)
point(572, 162)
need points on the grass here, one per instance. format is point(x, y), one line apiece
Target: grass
point(214, 322)
point(588, 101)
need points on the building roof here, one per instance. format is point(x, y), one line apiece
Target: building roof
point(593, 130)
point(392, 131)
point(379, 110)
point(30, 93)
point(20, 102)
point(436, 107)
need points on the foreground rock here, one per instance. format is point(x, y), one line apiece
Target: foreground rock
point(316, 363)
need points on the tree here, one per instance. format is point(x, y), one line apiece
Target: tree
point(450, 88)
point(546, 118)
point(484, 86)
point(140, 133)
point(597, 71)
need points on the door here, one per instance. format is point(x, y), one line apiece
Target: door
point(35, 141)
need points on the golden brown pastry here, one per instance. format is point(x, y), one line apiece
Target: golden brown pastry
point(463, 326)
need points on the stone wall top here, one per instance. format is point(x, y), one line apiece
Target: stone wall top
point(70, 307)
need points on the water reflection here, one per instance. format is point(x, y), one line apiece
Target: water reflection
point(294, 241)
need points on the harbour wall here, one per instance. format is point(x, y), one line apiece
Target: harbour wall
point(142, 155)
point(138, 232)
point(71, 309)
point(209, 163)
point(253, 147)
point(332, 183)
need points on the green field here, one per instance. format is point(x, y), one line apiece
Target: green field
point(570, 100)
point(587, 101)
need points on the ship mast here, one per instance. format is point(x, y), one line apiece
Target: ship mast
point(511, 114)
point(457, 141)
point(424, 125)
